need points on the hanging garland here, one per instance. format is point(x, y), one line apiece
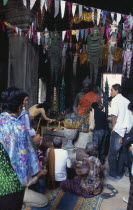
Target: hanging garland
point(62, 97)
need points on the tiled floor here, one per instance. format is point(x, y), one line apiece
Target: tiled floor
point(116, 203)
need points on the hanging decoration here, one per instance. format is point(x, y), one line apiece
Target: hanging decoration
point(46, 4)
point(64, 50)
point(42, 4)
point(86, 33)
point(77, 35)
point(92, 14)
point(46, 40)
point(25, 3)
point(63, 6)
point(118, 18)
point(62, 97)
point(113, 30)
point(5, 2)
point(130, 20)
point(111, 50)
point(54, 107)
point(82, 31)
point(32, 2)
point(94, 51)
point(86, 16)
point(98, 16)
point(63, 35)
point(80, 11)
point(74, 5)
point(38, 38)
point(127, 62)
point(55, 55)
point(75, 59)
point(69, 5)
point(56, 10)
point(112, 15)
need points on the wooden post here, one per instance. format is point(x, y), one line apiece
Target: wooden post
point(106, 95)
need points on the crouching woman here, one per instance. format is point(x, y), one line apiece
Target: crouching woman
point(18, 159)
point(89, 180)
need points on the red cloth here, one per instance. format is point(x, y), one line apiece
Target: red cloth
point(86, 101)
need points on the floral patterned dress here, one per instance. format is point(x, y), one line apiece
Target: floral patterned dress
point(17, 152)
point(89, 184)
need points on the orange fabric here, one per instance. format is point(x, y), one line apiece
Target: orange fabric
point(86, 101)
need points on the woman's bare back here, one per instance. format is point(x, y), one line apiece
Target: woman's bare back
point(34, 111)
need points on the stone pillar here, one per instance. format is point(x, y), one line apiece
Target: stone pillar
point(23, 55)
point(23, 66)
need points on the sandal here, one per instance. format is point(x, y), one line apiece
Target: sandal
point(110, 187)
point(107, 195)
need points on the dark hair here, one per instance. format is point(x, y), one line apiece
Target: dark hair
point(130, 106)
point(57, 142)
point(43, 105)
point(117, 87)
point(12, 98)
point(94, 105)
point(91, 149)
point(24, 94)
point(110, 98)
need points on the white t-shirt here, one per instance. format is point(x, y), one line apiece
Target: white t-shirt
point(119, 108)
point(62, 161)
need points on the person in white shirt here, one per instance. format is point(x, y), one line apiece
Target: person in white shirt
point(121, 123)
point(61, 161)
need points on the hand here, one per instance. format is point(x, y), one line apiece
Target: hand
point(52, 120)
point(42, 172)
point(37, 138)
point(131, 149)
point(120, 141)
point(109, 118)
point(32, 181)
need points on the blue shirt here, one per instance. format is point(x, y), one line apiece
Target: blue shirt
point(18, 145)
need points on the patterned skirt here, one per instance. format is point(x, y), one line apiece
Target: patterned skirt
point(74, 186)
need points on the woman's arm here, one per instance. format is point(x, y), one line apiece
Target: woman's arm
point(42, 111)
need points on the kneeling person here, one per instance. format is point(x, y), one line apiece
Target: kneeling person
point(58, 162)
point(89, 182)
